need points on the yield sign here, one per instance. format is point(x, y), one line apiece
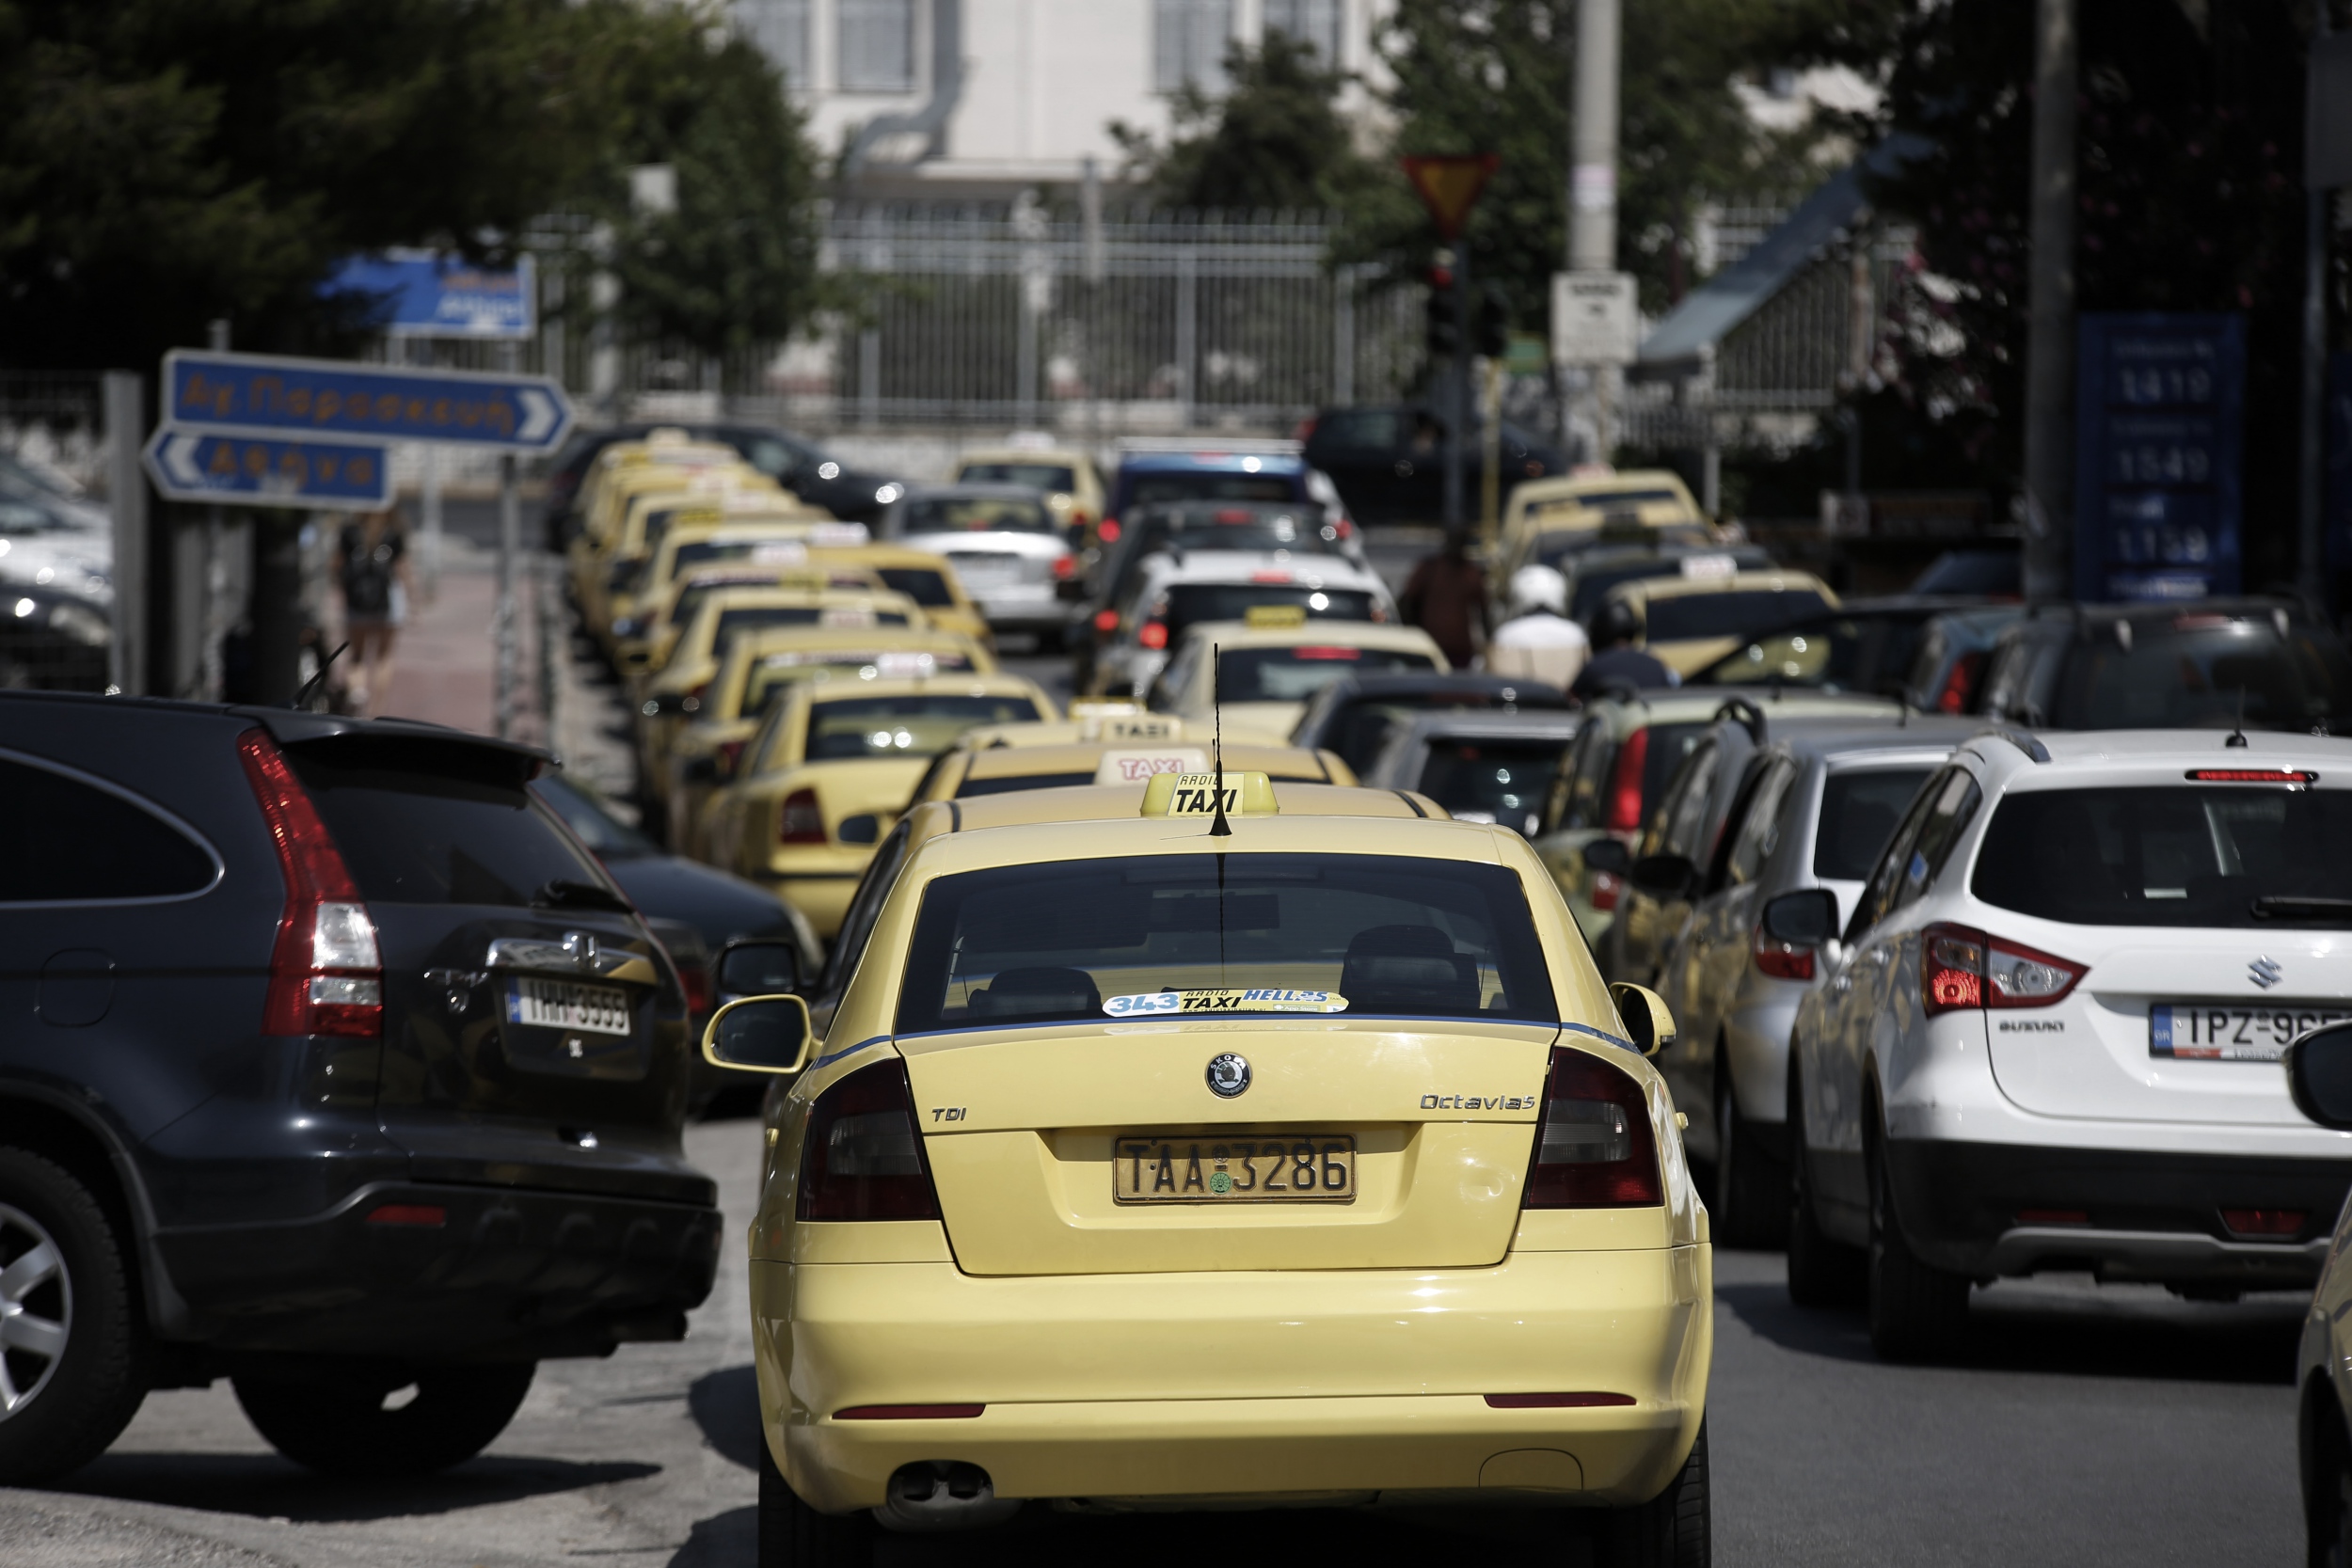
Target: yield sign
point(1448, 184)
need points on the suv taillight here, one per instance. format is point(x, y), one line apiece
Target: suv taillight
point(325, 972)
point(863, 1158)
point(802, 821)
point(1961, 967)
point(1593, 1148)
point(1625, 783)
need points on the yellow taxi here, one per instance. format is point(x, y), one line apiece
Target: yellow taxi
point(614, 512)
point(1264, 671)
point(832, 767)
point(922, 577)
point(1072, 486)
point(696, 741)
point(968, 771)
point(676, 628)
point(1657, 497)
point(1222, 1156)
point(1690, 622)
point(747, 527)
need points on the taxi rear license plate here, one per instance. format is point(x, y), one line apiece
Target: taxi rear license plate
point(1304, 1167)
point(2228, 1031)
point(567, 1005)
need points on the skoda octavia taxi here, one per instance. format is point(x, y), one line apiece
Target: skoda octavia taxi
point(1216, 1157)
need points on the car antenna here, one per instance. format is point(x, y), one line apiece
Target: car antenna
point(313, 684)
point(1218, 826)
point(2237, 735)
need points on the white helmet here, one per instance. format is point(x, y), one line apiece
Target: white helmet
point(1534, 588)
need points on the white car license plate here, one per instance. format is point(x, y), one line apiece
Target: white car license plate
point(567, 1005)
point(2228, 1031)
point(994, 570)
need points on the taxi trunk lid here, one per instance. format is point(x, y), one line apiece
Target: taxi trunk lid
point(1023, 1129)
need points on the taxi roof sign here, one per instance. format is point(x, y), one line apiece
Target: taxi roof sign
point(1275, 617)
point(1196, 794)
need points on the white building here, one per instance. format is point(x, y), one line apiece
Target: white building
point(986, 98)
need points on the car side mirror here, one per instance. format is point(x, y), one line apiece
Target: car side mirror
point(760, 1034)
point(1802, 919)
point(1665, 876)
point(1648, 1024)
point(2319, 1075)
point(1609, 855)
point(757, 966)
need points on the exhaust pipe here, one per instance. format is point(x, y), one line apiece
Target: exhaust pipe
point(934, 1494)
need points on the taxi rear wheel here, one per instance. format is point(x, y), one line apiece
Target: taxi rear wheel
point(794, 1535)
point(1671, 1531)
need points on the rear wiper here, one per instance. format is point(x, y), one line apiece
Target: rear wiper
point(2288, 906)
point(561, 894)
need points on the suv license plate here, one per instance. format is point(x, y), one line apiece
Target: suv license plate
point(2223, 1032)
point(1317, 1167)
point(565, 1005)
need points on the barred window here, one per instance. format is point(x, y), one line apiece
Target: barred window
point(779, 29)
point(1311, 22)
point(877, 45)
point(1188, 40)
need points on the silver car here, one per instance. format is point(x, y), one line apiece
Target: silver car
point(1814, 809)
point(1003, 544)
point(1495, 765)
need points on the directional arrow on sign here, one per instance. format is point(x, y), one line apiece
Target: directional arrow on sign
point(269, 470)
point(333, 399)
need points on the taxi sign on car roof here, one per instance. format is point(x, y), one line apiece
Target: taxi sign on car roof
point(1130, 726)
point(1196, 794)
point(1276, 617)
point(1134, 765)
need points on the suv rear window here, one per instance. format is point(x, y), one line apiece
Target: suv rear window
point(1294, 674)
point(1394, 934)
point(2194, 675)
point(1189, 602)
point(2245, 856)
point(470, 833)
point(1210, 484)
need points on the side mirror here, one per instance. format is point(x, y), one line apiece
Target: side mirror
point(1665, 876)
point(1805, 919)
point(759, 1034)
point(2319, 1075)
point(1648, 1024)
point(1609, 855)
point(757, 966)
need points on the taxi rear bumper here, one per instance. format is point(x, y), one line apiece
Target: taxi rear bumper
point(1160, 1389)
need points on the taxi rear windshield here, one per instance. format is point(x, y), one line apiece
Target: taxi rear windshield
point(732, 623)
point(912, 726)
point(1740, 612)
point(2241, 855)
point(1232, 601)
point(1392, 935)
point(778, 673)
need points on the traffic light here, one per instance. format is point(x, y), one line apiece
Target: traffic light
point(1491, 334)
point(1445, 317)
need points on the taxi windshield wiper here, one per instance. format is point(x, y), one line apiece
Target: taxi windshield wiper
point(563, 894)
point(2295, 906)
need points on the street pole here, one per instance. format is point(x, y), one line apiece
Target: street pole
point(2310, 537)
point(2050, 334)
point(1457, 393)
point(1592, 180)
point(510, 547)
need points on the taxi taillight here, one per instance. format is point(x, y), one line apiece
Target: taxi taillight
point(863, 1158)
point(802, 820)
point(1594, 1147)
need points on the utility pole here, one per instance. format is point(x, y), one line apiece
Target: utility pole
point(2050, 334)
point(1593, 182)
point(2321, 154)
point(1457, 399)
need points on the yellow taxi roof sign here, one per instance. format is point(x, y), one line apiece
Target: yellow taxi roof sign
point(1195, 795)
point(1275, 617)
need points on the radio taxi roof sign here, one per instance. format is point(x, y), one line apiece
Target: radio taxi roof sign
point(264, 394)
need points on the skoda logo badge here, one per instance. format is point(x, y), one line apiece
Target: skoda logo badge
point(1228, 1074)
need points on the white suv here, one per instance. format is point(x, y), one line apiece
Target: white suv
point(2050, 1036)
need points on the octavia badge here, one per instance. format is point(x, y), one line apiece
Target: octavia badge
point(2264, 973)
point(1228, 1074)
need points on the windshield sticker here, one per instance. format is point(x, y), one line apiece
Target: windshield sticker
point(1234, 1001)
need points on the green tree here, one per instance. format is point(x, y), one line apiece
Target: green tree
point(1275, 139)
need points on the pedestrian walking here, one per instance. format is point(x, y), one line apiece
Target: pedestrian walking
point(1446, 597)
point(1539, 641)
point(372, 567)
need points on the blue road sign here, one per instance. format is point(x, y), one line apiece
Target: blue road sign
point(266, 470)
point(260, 394)
point(422, 293)
point(2159, 404)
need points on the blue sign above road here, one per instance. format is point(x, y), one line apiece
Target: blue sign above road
point(263, 471)
point(422, 293)
point(255, 394)
point(2159, 432)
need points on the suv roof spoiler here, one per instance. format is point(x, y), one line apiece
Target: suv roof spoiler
point(2017, 738)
